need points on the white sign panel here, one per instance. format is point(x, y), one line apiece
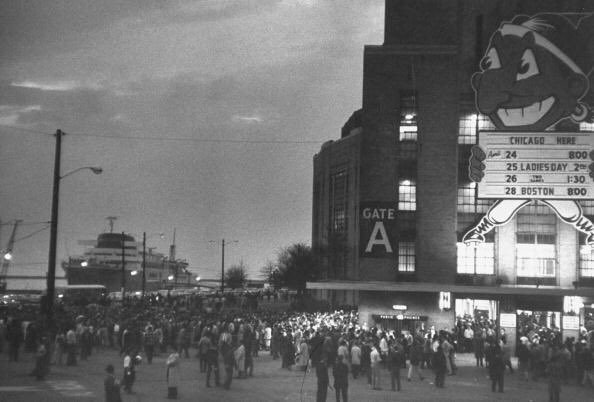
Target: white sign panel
point(507, 320)
point(541, 165)
point(571, 322)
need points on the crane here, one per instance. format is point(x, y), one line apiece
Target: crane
point(6, 258)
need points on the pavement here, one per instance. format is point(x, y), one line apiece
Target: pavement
point(84, 383)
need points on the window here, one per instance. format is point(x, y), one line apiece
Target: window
point(408, 128)
point(586, 261)
point(476, 260)
point(469, 126)
point(408, 150)
point(338, 183)
point(406, 257)
point(536, 242)
point(406, 223)
point(407, 195)
point(586, 126)
point(408, 118)
point(467, 201)
point(536, 255)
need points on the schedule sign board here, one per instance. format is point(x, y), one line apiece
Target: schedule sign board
point(541, 165)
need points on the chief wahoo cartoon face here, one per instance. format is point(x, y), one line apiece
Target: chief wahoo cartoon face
point(531, 76)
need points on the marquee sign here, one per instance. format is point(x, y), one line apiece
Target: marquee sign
point(536, 165)
point(535, 73)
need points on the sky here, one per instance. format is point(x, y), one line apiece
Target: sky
point(205, 116)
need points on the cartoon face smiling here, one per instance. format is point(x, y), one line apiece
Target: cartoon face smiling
point(531, 76)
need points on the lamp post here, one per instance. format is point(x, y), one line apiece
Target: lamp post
point(51, 271)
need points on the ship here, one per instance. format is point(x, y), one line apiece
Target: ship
point(115, 260)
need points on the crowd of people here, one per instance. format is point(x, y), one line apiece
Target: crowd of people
point(226, 342)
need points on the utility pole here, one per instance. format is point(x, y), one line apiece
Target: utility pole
point(223, 260)
point(223, 266)
point(143, 264)
point(51, 270)
point(123, 269)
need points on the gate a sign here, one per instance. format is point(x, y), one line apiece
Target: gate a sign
point(377, 223)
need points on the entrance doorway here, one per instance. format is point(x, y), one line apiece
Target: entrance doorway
point(401, 323)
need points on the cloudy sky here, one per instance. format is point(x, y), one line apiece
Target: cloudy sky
point(204, 114)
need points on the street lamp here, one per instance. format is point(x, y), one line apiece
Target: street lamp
point(51, 271)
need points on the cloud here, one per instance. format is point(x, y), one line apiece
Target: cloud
point(54, 86)
point(247, 119)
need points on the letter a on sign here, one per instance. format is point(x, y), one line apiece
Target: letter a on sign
point(379, 237)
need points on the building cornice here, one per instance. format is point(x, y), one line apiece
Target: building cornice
point(427, 287)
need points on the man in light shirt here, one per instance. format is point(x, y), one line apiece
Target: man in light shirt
point(375, 367)
point(356, 359)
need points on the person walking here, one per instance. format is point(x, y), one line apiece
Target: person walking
point(396, 359)
point(172, 375)
point(149, 344)
point(496, 367)
point(204, 344)
point(341, 378)
point(303, 355)
point(15, 339)
point(229, 363)
point(479, 348)
point(439, 367)
point(506, 350)
point(322, 376)
point(42, 358)
point(129, 371)
point(524, 358)
point(212, 365)
point(376, 359)
point(239, 356)
point(71, 347)
point(416, 355)
point(554, 370)
point(356, 359)
point(111, 386)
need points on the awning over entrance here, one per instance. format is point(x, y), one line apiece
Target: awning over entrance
point(382, 286)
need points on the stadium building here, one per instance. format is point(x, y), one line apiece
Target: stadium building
point(400, 229)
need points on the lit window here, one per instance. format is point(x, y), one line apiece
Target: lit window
point(586, 126)
point(408, 128)
point(406, 257)
point(470, 124)
point(467, 201)
point(586, 261)
point(408, 118)
point(536, 255)
point(338, 183)
point(407, 195)
point(476, 260)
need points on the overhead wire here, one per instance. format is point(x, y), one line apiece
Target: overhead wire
point(167, 139)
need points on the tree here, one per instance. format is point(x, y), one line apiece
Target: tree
point(236, 276)
point(270, 274)
point(295, 266)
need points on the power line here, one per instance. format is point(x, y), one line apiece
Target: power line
point(25, 223)
point(166, 139)
point(31, 234)
point(213, 140)
point(26, 130)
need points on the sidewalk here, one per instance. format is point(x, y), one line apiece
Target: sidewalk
point(84, 382)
